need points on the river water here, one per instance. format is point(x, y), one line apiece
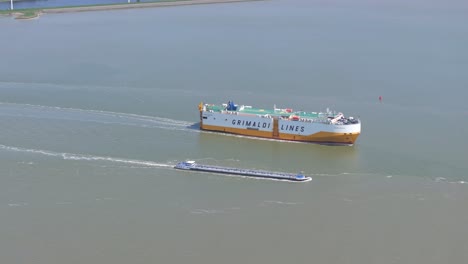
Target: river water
point(96, 107)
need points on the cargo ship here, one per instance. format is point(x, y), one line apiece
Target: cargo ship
point(280, 123)
point(192, 165)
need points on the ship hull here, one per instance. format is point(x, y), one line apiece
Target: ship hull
point(252, 175)
point(192, 166)
point(255, 126)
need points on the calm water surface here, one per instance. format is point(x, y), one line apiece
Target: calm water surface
point(95, 109)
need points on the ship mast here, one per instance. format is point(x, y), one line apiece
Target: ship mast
point(200, 108)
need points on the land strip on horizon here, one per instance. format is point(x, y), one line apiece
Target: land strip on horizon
point(35, 12)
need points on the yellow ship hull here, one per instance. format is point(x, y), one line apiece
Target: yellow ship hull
point(319, 137)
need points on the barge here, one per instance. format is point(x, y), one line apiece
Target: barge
point(193, 166)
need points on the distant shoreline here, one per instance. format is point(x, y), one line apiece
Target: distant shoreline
point(34, 13)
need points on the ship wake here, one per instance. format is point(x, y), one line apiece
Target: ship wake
point(83, 157)
point(93, 116)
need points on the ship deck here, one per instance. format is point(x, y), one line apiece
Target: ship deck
point(259, 111)
point(251, 172)
point(191, 165)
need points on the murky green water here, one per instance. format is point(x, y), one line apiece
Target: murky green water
point(96, 107)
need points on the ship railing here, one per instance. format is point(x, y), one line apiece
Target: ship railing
point(229, 112)
point(252, 172)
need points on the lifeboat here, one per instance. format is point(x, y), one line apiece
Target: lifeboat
point(294, 118)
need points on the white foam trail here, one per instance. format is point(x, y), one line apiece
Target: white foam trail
point(207, 211)
point(440, 179)
point(72, 156)
point(94, 115)
point(17, 204)
point(280, 202)
point(43, 152)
